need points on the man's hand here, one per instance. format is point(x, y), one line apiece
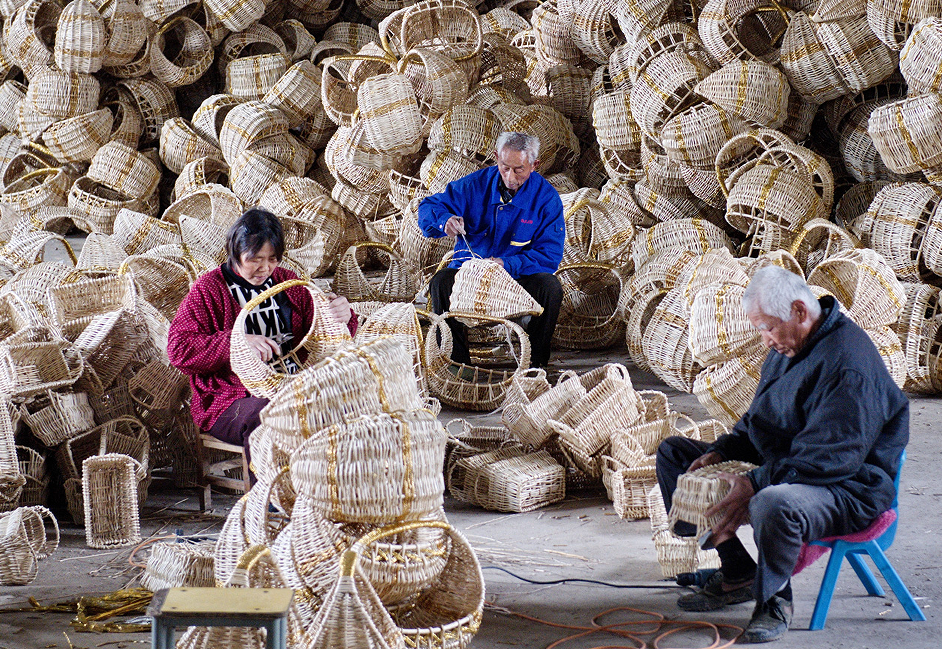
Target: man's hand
point(339, 308)
point(734, 508)
point(705, 460)
point(266, 349)
point(498, 260)
point(454, 226)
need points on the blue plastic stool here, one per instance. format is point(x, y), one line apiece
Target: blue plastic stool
point(853, 551)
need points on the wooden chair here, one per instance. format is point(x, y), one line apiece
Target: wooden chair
point(214, 473)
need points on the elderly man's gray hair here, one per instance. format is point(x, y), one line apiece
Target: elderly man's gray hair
point(530, 144)
point(773, 290)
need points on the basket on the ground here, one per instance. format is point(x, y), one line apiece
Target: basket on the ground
point(528, 419)
point(175, 564)
point(109, 488)
point(37, 476)
point(106, 342)
point(516, 482)
point(466, 386)
point(585, 429)
point(675, 555)
point(76, 300)
point(697, 491)
point(589, 317)
point(627, 487)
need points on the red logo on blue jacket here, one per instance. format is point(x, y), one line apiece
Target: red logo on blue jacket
point(529, 221)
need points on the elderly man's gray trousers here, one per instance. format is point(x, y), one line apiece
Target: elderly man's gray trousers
point(783, 517)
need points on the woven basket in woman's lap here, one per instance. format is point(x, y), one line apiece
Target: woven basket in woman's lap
point(700, 490)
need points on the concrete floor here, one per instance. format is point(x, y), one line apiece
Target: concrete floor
point(580, 537)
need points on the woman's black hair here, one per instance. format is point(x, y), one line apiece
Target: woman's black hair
point(251, 231)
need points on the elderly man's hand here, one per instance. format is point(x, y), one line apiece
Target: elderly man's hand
point(339, 308)
point(498, 260)
point(454, 226)
point(706, 459)
point(734, 508)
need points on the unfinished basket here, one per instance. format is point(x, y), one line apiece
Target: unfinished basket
point(324, 336)
point(483, 287)
point(364, 379)
point(674, 554)
point(699, 490)
point(466, 386)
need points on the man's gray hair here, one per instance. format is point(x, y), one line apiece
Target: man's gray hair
point(773, 290)
point(530, 144)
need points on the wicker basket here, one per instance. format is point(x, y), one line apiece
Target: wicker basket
point(106, 342)
point(627, 487)
point(466, 386)
point(471, 441)
point(109, 488)
point(906, 133)
point(33, 468)
point(399, 284)
point(67, 414)
point(674, 554)
point(237, 15)
point(390, 113)
point(176, 565)
point(18, 560)
point(684, 237)
point(406, 449)
point(78, 138)
point(589, 316)
point(918, 331)
point(919, 60)
point(124, 170)
point(755, 91)
point(324, 336)
point(509, 480)
point(369, 378)
point(528, 420)
point(483, 287)
point(60, 95)
point(585, 429)
point(719, 329)
point(726, 389)
point(864, 284)
point(34, 361)
point(665, 342)
point(699, 490)
point(665, 88)
point(297, 93)
point(771, 193)
point(191, 47)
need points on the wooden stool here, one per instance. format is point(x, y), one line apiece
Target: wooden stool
point(251, 607)
point(214, 472)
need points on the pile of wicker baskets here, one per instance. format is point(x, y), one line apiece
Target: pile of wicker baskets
point(348, 510)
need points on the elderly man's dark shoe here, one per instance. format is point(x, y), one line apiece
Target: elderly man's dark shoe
point(715, 594)
point(769, 621)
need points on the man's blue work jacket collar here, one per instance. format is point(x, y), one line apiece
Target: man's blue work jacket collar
point(495, 197)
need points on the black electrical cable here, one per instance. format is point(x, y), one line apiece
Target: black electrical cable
point(553, 582)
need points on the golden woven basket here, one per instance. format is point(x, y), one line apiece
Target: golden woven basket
point(699, 490)
point(324, 337)
point(109, 488)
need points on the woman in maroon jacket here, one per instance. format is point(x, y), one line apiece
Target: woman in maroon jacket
point(198, 342)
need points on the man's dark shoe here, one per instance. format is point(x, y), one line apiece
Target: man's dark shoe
point(769, 621)
point(716, 594)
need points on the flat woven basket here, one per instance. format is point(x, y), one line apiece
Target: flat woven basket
point(324, 336)
point(585, 430)
point(66, 415)
point(627, 487)
point(466, 386)
point(698, 491)
point(528, 420)
point(509, 482)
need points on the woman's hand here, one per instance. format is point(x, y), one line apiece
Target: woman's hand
point(339, 308)
point(266, 349)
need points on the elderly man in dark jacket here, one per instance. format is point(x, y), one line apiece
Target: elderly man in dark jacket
point(826, 427)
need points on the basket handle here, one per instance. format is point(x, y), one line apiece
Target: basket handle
point(348, 562)
point(825, 224)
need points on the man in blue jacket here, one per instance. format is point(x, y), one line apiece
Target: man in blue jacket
point(826, 429)
point(508, 213)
